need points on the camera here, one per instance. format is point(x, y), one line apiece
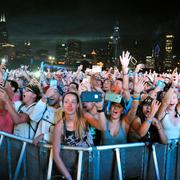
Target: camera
point(113, 97)
point(91, 96)
point(160, 84)
point(5, 77)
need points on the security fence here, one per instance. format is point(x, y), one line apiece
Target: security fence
point(20, 159)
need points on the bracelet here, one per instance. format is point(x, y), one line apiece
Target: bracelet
point(149, 121)
point(136, 95)
point(136, 99)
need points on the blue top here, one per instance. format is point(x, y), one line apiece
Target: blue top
point(108, 139)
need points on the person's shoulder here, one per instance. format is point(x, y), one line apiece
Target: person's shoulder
point(17, 104)
point(59, 124)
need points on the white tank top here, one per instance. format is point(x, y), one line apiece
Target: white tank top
point(171, 130)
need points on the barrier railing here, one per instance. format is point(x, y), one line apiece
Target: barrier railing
point(20, 159)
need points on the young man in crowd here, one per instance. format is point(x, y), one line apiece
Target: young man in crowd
point(20, 110)
point(47, 112)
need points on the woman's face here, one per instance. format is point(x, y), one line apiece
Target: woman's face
point(173, 102)
point(107, 85)
point(116, 111)
point(70, 104)
point(146, 109)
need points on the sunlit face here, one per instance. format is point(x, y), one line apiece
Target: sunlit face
point(116, 111)
point(173, 102)
point(107, 85)
point(72, 87)
point(28, 95)
point(53, 96)
point(117, 86)
point(70, 104)
point(146, 110)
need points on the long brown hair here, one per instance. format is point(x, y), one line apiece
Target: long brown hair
point(80, 123)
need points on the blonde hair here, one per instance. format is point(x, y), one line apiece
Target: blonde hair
point(80, 123)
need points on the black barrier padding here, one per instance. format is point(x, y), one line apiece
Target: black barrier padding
point(133, 167)
point(108, 168)
point(70, 159)
point(136, 162)
point(4, 161)
point(37, 162)
point(161, 153)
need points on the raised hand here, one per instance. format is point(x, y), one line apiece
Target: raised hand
point(125, 58)
point(139, 84)
point(156, 123)
point(139, 67)
point(3, 95)
point(154, 108)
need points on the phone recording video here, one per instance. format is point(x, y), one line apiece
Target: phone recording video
point(91, 96)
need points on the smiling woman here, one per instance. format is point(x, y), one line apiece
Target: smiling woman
point(71, 130)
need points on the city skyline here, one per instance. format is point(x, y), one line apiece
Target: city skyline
point(44, 23)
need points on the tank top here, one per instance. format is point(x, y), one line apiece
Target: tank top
point(70, 139)
point(172, 131)
point(108, 139)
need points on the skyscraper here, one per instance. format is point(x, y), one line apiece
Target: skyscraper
point(115, 44)
point(61, 52)
point(74, 51)
point(168, 53)
point(27, 49)
point(3, 30)
point(157, 57)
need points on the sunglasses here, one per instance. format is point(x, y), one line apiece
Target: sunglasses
point(28, 90)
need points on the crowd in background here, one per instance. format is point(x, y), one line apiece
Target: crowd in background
point(84, 108)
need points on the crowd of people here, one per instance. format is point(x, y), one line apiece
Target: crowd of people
point(114, 106)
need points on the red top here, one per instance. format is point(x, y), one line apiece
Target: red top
point(6, 123)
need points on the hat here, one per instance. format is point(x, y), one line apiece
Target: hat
point(148, 101)
point(35, 90)
point(122, 103)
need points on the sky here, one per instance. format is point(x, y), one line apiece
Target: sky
point(45, 22)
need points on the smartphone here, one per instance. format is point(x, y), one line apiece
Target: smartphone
point(42, 66)
point(53, 83)
point(113, 97)
point(160, 84)
point(133, 61)
point(91, 96)
point(5, 77)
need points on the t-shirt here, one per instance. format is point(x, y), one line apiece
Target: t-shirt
point(25, 130)
point(6, 123)
point(46, 116)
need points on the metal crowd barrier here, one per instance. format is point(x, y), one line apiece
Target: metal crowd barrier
point(20, 159)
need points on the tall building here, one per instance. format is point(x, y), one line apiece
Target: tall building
point(168, 61)
point(73, 51)
point(157, 57)
point(61, 52)
point(110, 54)
point(114, 45)
point(27, 48)
point(149, 62)
point(3, 30)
